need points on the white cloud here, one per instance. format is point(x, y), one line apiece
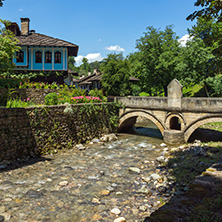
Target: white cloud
point(92, 57)
point(183, 41)
point(99, 40)
point(115, 48)
point(20, 10)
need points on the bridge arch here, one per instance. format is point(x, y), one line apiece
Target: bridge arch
point(173, 115)
point(129, 119)
point(199, 122)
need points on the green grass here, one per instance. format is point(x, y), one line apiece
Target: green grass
point(214, 126)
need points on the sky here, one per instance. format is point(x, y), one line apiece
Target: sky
point(100, 27)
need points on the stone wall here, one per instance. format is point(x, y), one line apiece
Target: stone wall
point(35, 95)
point(27, 132)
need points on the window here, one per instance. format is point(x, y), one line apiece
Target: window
point(48, 57)
point(20, 56)
point(38, 57)
point(57, 57)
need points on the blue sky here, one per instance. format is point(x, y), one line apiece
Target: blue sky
point(100, 27)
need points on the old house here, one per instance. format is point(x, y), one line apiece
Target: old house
point(41, 52)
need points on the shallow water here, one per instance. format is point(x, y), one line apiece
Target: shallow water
point(85, 185)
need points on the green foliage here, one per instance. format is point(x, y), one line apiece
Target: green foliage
point(211, 34)
point(158, 55)
point(115, 79)
point(51, 99)
point(1, 3)
point(215, 85)
point(194, 62)
point(8, 47)
point(144, 94)
point(10, 83)
point(17, 103)
point(211, 9)
point(97, 93)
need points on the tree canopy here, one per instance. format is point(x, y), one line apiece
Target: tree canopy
point(212, 9)
point(8, 47)
point(211, 34)
point(115, 79)
point(1, 3)
point(158, 53)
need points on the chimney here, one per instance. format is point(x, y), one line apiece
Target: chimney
point(25, 26)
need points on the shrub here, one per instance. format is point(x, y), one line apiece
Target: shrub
point(51, 99)
point(16, 103)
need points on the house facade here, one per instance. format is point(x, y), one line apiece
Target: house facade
point(40, 52)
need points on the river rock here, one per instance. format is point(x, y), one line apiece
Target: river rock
point(33, 194)
point(134, 169)
point(162, 144)
point(95, 201)
point(162, 189)
point(96, 140)
point(155, 176)
point(142, 208)
point(120, 219)
point(63, 183)
point(108, 137)
point(146, 179)
point(160, 159)
point(80, 147)
point(115, 211)
point(144, 190)
point(119, 193)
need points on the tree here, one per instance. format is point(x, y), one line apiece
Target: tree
point(115, 79)
point(1, 3)
point(8, 47)
point(85, 67)
point(211, 34)
point(195, 62)
point(212, 9)
point(158, 53)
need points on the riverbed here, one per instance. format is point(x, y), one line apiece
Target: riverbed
point(101, 183)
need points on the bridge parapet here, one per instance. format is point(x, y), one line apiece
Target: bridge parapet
point(202, 104)
point(143, 102)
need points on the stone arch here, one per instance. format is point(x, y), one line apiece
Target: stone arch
point(175, 115)
point(201, 121)
point(131, 116)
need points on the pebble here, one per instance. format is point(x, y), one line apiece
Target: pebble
point(120, 219)
point(63, 183)
point(144, 190)
point(80, 147)
point(163, 144)
point(160, 159)
point(155, 176)
point(115, 211)
point(134, 169)
point(95, 201)
point(119, 193)
point(142, 208)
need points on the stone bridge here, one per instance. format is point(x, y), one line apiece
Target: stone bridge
point(177, 117)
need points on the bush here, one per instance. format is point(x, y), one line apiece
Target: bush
point(215, 85)
point(144, 94)
point(97, 93)
point(51, 99)
point(16, 103)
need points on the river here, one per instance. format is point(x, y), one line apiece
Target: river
point(103, 182)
